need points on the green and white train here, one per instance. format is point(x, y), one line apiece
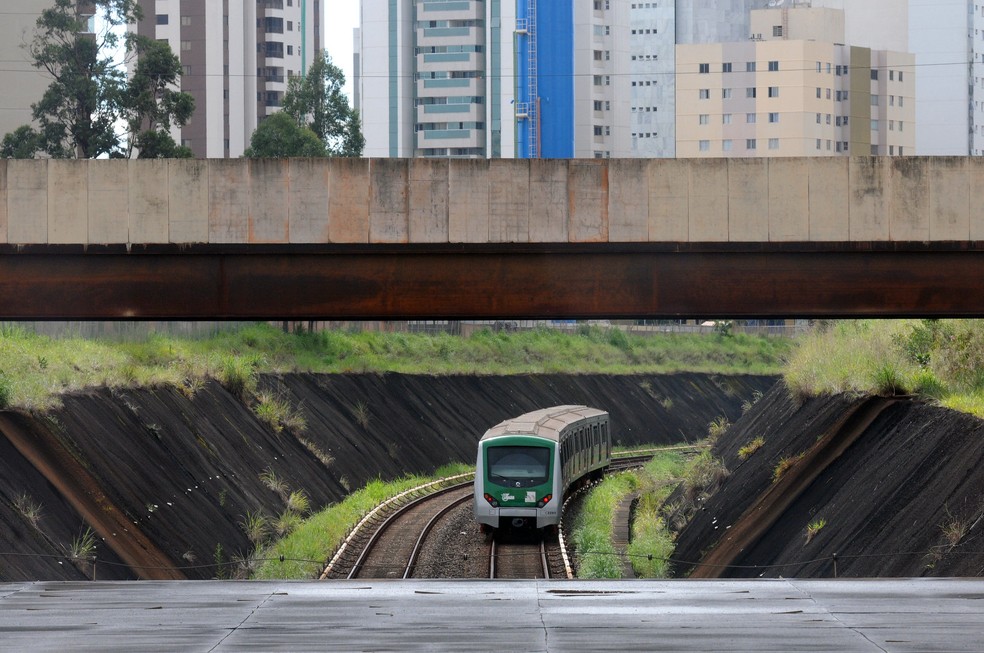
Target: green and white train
point(527, 464)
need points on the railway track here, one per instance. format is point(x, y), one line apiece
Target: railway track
point(518, 559)
point(388, 546)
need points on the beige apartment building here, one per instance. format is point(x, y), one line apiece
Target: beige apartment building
point(795, 88)
point(24, 84)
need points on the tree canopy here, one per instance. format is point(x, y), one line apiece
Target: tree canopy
point(79, 113)
point(279, 136)
point(316, 101)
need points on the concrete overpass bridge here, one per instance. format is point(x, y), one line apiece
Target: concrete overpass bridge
point(415, 239)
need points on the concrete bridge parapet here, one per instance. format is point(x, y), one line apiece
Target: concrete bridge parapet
point(426, 201)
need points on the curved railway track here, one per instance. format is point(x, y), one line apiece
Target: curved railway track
point(440, 528)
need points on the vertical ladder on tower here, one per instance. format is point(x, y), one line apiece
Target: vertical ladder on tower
point(534, 108)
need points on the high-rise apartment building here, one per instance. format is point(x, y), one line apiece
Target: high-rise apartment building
point(236, 57)
point(24, 84)
point(436, 78)
point(795, 89)
point(947, 39)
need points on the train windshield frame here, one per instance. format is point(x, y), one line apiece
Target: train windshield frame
point(520, 466)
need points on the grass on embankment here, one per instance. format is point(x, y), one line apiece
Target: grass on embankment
point(652, 543)
point(306, 549)
point(35, 370)
point(941, 360)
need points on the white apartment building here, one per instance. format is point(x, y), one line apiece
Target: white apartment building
point(435, 78)
point(794, 90)
point(237, 57)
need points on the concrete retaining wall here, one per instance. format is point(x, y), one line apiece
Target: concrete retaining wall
point(244, 201)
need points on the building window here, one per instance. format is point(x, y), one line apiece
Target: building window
point(773, 91)
point(749, 66)
point(290, 49)
point(705, 68)
point(900, 79)
point(704, 146)
point(185, 46)
point(726, 93)
point(819, 93)
point(874, 100)
point(773, 66)
point(705, 93)
point(874, 74)
point(777, 30)
point(891, 75)
point(874, 125)
point(749, 118)
point(750, 91)
point(773, 143)
point(704, 119)
point(726, 145)
point(774, 116)
point(597, 80)
point(726, 67)
point(750, 143)
point(726, 119)
point(185, 21)
point(597, 130)
point(162, 19)
point(290, 26)
point(818, 144)
point(597, 105)
point(597, 55)
point(819, 118)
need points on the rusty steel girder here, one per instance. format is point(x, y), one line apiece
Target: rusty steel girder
point(492, 281)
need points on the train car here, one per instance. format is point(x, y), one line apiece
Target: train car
point(526, 464)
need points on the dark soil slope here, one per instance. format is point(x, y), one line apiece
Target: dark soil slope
point(159, 474)
point(906, 498)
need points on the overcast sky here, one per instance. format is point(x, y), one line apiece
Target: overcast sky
point(341, 17)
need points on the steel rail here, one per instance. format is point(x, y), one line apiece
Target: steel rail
point(426, 531)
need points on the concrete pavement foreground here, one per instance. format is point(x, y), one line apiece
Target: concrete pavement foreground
point(712, 615)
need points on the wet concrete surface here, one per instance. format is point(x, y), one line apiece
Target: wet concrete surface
point(440, 615)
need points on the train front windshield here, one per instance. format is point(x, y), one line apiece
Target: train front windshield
point(518, 466)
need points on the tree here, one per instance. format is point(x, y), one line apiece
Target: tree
point(22, 143)
point(317, 100)
point(279, 136)
point(76, 115)
point(152, 105)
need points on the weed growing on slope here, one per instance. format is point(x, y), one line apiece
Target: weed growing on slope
point(28, 508)
point(750, 448)
point(813, 528)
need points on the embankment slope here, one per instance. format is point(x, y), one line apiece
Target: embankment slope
point(903, 499)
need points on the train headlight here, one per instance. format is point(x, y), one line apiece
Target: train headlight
point(544, 501)
point(491, 500)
